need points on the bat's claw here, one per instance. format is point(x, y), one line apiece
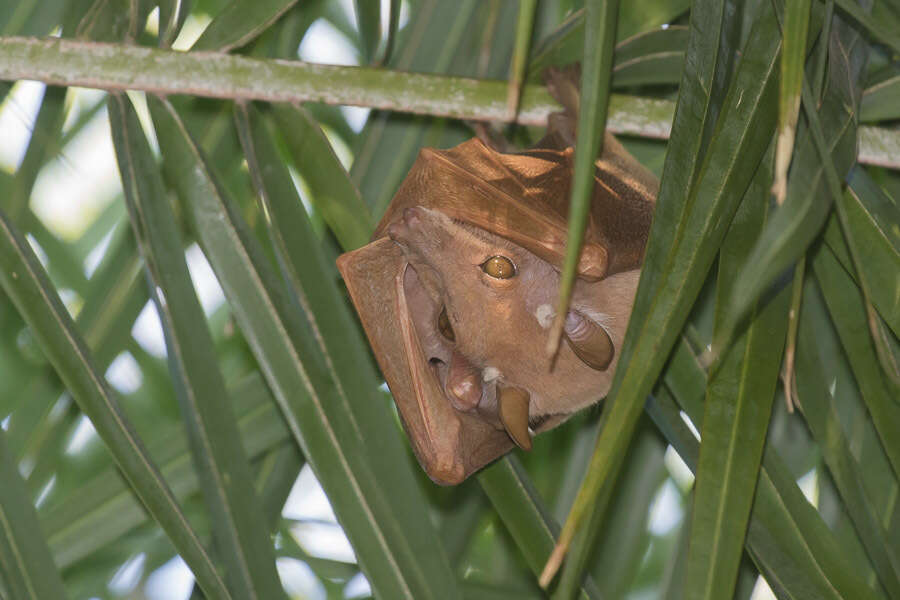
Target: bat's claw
point(514, 405)
point(589, 340)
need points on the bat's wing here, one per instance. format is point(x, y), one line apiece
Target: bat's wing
point(524, 198)
point(449, 444)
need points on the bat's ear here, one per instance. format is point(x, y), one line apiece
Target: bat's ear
point(563, 84)
point(449, 444)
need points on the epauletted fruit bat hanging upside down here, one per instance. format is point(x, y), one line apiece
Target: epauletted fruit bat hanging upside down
point(457, 290)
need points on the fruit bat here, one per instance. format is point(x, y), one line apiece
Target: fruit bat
point(457, 290)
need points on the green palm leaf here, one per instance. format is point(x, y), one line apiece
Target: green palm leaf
point(106, 476)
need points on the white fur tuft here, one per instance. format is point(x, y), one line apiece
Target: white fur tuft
point(544, 315)
point(490, 374)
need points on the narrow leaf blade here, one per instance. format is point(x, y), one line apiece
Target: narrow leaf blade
point(315, 409)
point(738, 403)
point(678, 258)
point(26, 564)
point(310, 279)
point(24, 280)
point(241, 539)
point(239, 23)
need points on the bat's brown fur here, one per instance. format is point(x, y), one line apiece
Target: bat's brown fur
point(456, 209)
point(498, 323)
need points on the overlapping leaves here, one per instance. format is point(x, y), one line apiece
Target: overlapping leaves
point(305, 379)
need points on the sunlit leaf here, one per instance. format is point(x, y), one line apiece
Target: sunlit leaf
point(332, 192)
point(25, 282)
point(314, 405)
point(306, 274)
point(102, 508)
point(368, 20)
point(243, 546)
point(239, 22)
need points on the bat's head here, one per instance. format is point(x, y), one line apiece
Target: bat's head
point(481, 306)
point(457, 293)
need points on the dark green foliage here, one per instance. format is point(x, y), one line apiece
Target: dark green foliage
point(197, 457)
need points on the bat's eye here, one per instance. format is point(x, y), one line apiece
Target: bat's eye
point(499, 267)
point(444, 325)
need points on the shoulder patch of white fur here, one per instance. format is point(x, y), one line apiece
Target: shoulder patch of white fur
point(490, 374)
point(544, 315)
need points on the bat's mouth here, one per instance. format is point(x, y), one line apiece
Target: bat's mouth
point(449, 443)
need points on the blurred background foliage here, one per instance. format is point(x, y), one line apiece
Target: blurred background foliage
point(169, 290)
